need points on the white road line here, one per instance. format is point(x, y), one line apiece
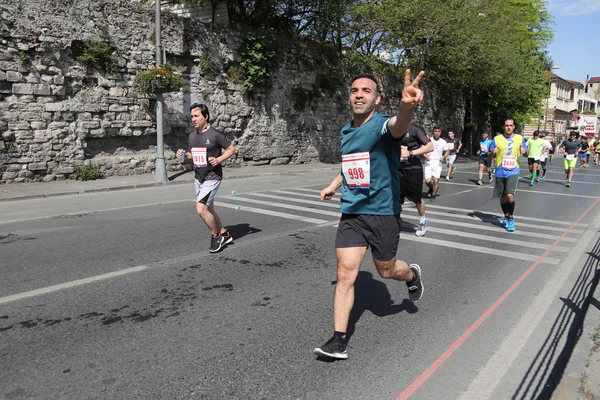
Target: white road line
point(95, 211)
point(481, 249)
point(497, 229)
point(281, 205)
point(66, 285)
point(273, 213)
point(408, 206)
point(521, 191)
point(466, 210)
point(429, 212)
point(472, 226)
point(488, 239)
point(524, 178)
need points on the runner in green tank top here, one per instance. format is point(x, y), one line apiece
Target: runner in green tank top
point(534, 145)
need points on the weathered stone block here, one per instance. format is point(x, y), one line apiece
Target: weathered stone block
point(35, 147)
point(19, 126)
point(13, 76)
point(42, 135)
point(89, 124)
point(42, 89)
point(84, 116)
point(54, 71)
point(52, 107)
point(22, 88)
point(58, 80)
point(91, 107)
point(41, 68)
point(10, 175)
point(9, 66)
point(59, 91)
point(117, 108)
point(63, 169)
point(125, 132)
point(8, 136)
point(118, 92)
point(42, 166)
point(97, 133)
point(2, 76)
point(45, 99)
point(280, 161)
point(141, 124)
point(38, 125)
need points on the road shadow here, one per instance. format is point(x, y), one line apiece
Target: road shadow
point(240, 230)
point(547, 368)
point(477, 180)
point(485, 217)
point(372, 295)
point(178, 174)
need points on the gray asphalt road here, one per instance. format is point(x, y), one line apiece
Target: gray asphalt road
point(115, 296)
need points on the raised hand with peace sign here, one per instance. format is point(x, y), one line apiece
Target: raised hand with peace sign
point(411, 95)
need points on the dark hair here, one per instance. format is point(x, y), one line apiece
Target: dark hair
point(437, 127)
point(573, 133)
point(371, 77)
point(203, 110)
point(536, 133)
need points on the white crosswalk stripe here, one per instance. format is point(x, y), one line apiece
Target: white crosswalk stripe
point(448, 226)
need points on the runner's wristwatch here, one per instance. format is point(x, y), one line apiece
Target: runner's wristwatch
point(411, 154)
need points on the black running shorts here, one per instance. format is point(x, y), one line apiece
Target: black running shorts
point(380, 232)
point(531, 161)
point(411, 184)
point(485, 161)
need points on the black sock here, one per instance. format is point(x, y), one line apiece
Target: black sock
point(504, 209)
point(340, 335)
point(511, 208)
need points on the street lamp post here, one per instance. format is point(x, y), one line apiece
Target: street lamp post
point(160, 170)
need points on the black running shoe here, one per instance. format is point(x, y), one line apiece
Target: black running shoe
point(415, 287)
point(227, 238)
point(216, 243)
point(334, 348)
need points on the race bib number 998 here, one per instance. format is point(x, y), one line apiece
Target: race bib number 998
point(356, 170)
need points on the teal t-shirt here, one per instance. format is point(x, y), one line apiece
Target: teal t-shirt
point(382, 197)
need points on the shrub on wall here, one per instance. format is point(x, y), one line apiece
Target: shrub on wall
point(94, 55)
point(86, 173)
point(257, 62)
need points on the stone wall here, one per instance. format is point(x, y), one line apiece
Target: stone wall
point(55, 114)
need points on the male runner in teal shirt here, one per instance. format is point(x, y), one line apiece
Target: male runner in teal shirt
point(370, 200)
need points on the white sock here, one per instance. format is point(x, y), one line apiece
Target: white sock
point(422, 220)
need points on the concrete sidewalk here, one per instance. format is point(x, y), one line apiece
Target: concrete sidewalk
point(24, 191)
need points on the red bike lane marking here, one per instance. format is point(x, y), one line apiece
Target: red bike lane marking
point(454, 346)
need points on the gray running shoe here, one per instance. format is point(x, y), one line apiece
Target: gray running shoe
point(421, 229)
point(415, 287)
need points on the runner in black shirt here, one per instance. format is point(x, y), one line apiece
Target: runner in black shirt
point(454, 145)
point(205, 151)
point(414, 144)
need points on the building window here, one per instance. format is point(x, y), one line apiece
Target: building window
point(572, 94)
